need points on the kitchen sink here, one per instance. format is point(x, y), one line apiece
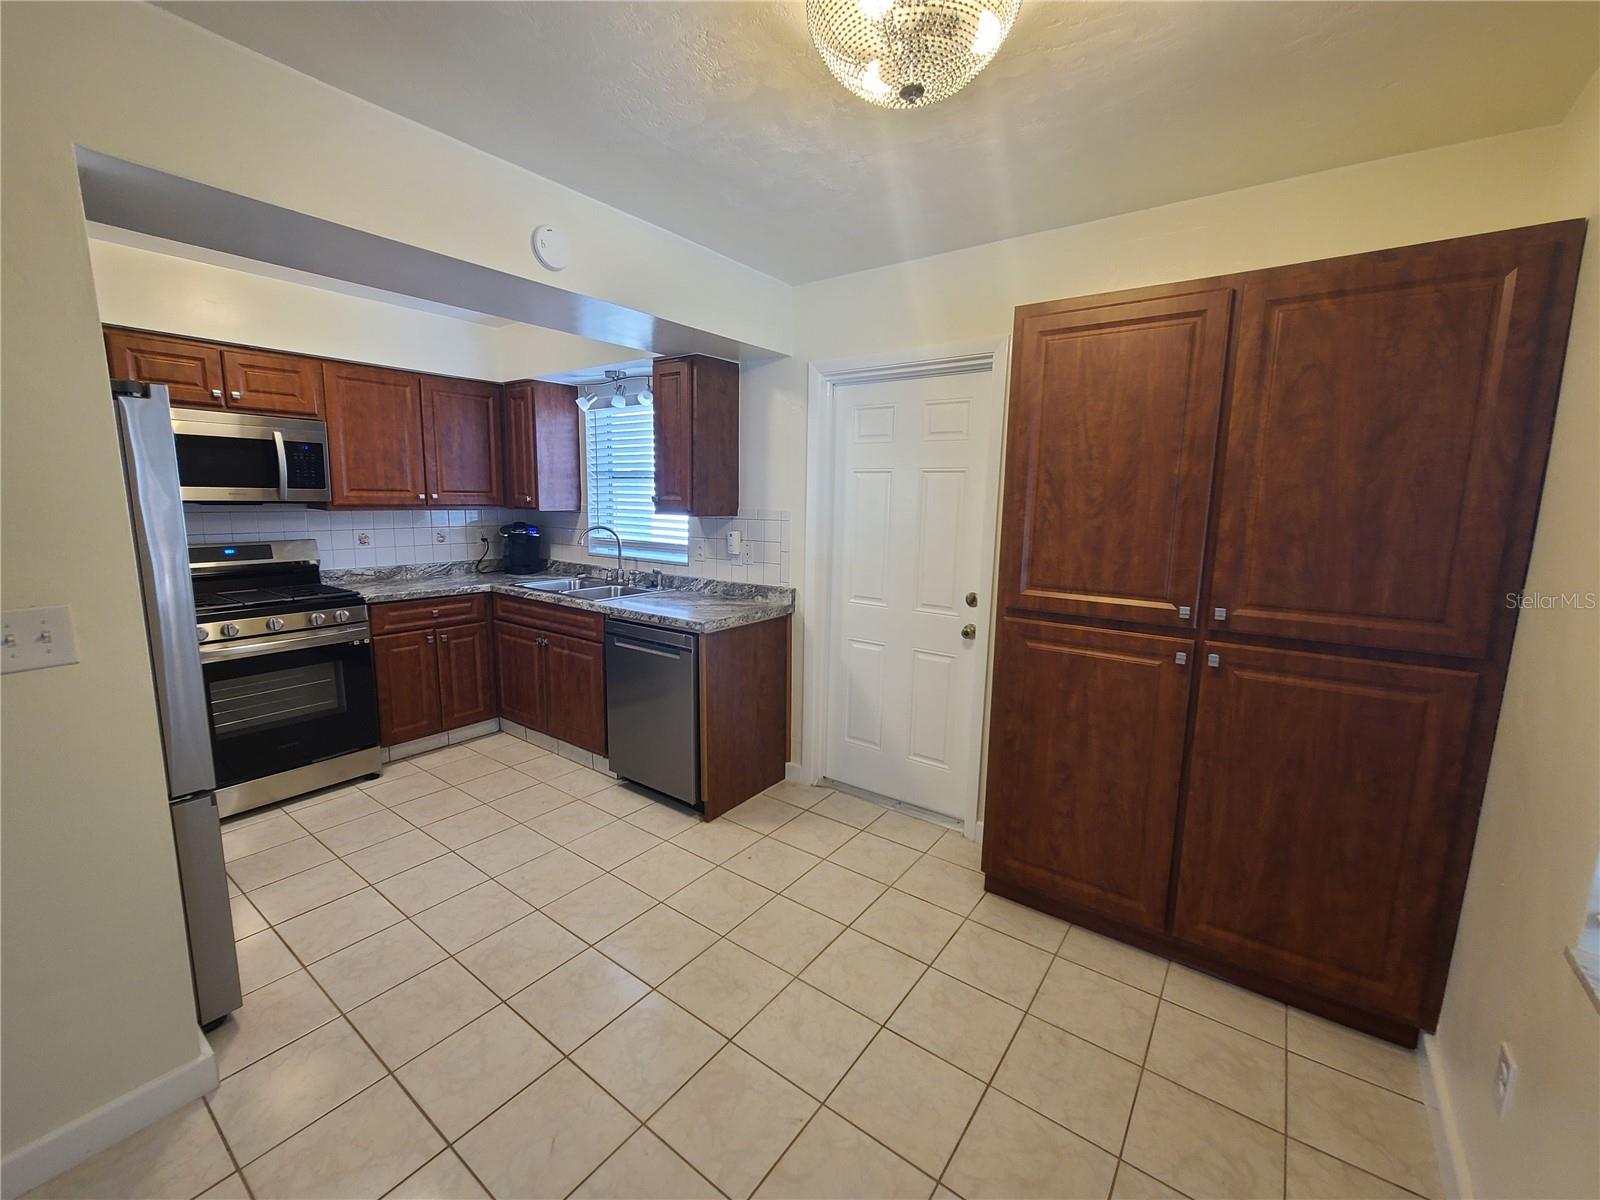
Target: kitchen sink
point(609, 591)
point(560, 583)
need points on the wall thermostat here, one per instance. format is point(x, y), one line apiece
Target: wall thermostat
point(550, 247)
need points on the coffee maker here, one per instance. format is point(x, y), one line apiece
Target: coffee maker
point(520, 552)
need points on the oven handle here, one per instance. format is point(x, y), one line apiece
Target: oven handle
point(284, 643)
point(283, 465)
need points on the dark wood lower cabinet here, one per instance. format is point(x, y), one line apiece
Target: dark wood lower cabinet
point(407, 667)
point(432, 676)
point(552, 670)
point(744, 712)
point(575, 672)
point(1085, 758)
point(466, 674)
point(520, 654)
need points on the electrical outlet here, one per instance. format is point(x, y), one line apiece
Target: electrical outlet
point(363, 538)
point(1505, 1076)
point(735, 544)
point(439, 536)
point(699, 549)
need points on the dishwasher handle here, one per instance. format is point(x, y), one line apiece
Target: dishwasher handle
point(641, 648)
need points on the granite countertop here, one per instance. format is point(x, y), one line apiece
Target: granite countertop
point(693, 605)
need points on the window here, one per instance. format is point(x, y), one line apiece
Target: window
point(622, 486)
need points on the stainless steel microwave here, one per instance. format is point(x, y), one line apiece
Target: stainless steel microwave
point(240, 457)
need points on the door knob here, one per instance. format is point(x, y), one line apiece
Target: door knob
point(969, 632)
point(972, 599)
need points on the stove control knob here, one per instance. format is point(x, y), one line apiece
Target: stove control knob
point(274, 624)
point(342, 615)
point(201, 633)
point(319, 618)
point(230, 630)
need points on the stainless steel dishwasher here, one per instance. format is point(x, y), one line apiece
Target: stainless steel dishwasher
point(653, 707)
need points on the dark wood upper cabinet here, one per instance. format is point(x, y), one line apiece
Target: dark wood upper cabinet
point(375, 436)
point(461, 441)
point(1085, 758)
point(575, 705)
point(1114, 410)
point(696, 418)
point(544, 461)
point(191, 371)
point(1319, 795)
point(1381, 405)
point(281, 384)
point(407, 669)
point(466, 674)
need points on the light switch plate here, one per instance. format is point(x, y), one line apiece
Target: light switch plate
point(37, 637)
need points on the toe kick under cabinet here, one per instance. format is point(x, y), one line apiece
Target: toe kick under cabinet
point(1258, 535)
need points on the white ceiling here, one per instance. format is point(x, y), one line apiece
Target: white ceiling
point(719, 122)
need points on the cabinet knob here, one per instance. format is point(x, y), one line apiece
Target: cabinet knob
point(433, 612)
point(429, 639)
point(420, 496)
point(236, 395)
point(1181, 658)
point(436, 495)
point(1183, 612)
point(1220, 614)
point(216, 393)
point(1213, 660)
point(444, 637)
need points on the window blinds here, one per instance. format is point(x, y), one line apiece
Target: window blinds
point(621, 464)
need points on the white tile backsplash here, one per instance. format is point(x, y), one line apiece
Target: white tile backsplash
point(765, 558)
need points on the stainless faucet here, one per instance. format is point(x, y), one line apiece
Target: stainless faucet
point(584, 538)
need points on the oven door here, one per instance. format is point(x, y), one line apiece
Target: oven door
point(285, 702)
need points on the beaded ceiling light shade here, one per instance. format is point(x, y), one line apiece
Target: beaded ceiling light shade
point(897, 54)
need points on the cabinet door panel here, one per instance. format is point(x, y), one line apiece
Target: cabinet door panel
point(461, 434)
point(282, 384)
point(1379, 411)
point(466, 674)
point(520, 674)
point(1111, 440)
point(192, 371)
point(407, 668)
point(672, 386)
point(521, 482)
point(374, 436)
point(1085, 754)
point(576, 674)
point(1323, 793)
point(558, 462)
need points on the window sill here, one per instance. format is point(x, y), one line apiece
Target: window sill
point(661, 556)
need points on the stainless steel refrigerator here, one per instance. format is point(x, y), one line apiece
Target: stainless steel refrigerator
point(150, 461)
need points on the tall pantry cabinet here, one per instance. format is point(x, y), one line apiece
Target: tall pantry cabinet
point(1256, 541)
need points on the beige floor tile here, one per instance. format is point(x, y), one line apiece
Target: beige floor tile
point(467, 768)
point(613, 844)
point(506, 748)
point(1126, 963)
point(1107, 1012)
point(1369, 1058)
point(404, 1021)
point(1134, 1184)
point(715, 841)
point(290, 897)
point(386, 859)
point(460, 921)
point(1255, 1015)
point(906, 829)
point(269, 1018)
point(1365, 1125)
point(363, 832)
point(957, 1022)
point(1026, 924)
point(495, 784)
point(619, 799)
point(719, 899)
point(875, 857)
point(578, 999)
point(647, 1053)
point(570, 822)
point(1073, 1082)
point(733, 1120)
point(550, 876)
point(912, 926)
point(834, 892)
point(1201, 1148)
point(814, 833)
point(231, 1188)
point(1220, 1062)
point(390, 792)
point(269, 1100)
point(771, 864)
point(582, 783)
point(339, 923)
point(786, 934)
point(471, 826)
point(436, 880)
point(1011, 1152)
point(362, 1148)
point(852, 810)
point(438, 758)
point(599, 907)
point(375, 964)
point(656, 943)
point(179, 1155)
point(943, 883)
point(512, 958)
point(833, 1160)
point(263, 958)
point(444, 1177)
point(476, 1069)
point(316, 800)
point(868, 976)
point(911, 1101)
point(531, 802)
point(239, 841)
point(763, 813)
point(547, 767)
point(646, 1168)
point(801, 795)
point(577, 1124)
point(957, 848)
point(281, 861)
point(725, 986)
point(808, 1037)
point(660, 871)
point(499, 852)
point(1002, 966)
point(663, 819)
point(247, 919)
point(1313, 1175)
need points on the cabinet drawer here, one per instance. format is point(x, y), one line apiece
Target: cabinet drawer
point(553, 617)
point(400, 615)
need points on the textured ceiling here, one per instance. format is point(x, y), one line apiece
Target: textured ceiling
point(718, 121)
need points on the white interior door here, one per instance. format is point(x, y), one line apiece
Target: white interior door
point(916, 474)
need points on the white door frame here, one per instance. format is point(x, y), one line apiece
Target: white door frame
point(818, 602)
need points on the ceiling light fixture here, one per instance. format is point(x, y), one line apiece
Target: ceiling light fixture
point(901, 54)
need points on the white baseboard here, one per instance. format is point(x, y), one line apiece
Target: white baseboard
point(795, 772)
point(1454, 1175)
point(28, 1166)
point(977, 832)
